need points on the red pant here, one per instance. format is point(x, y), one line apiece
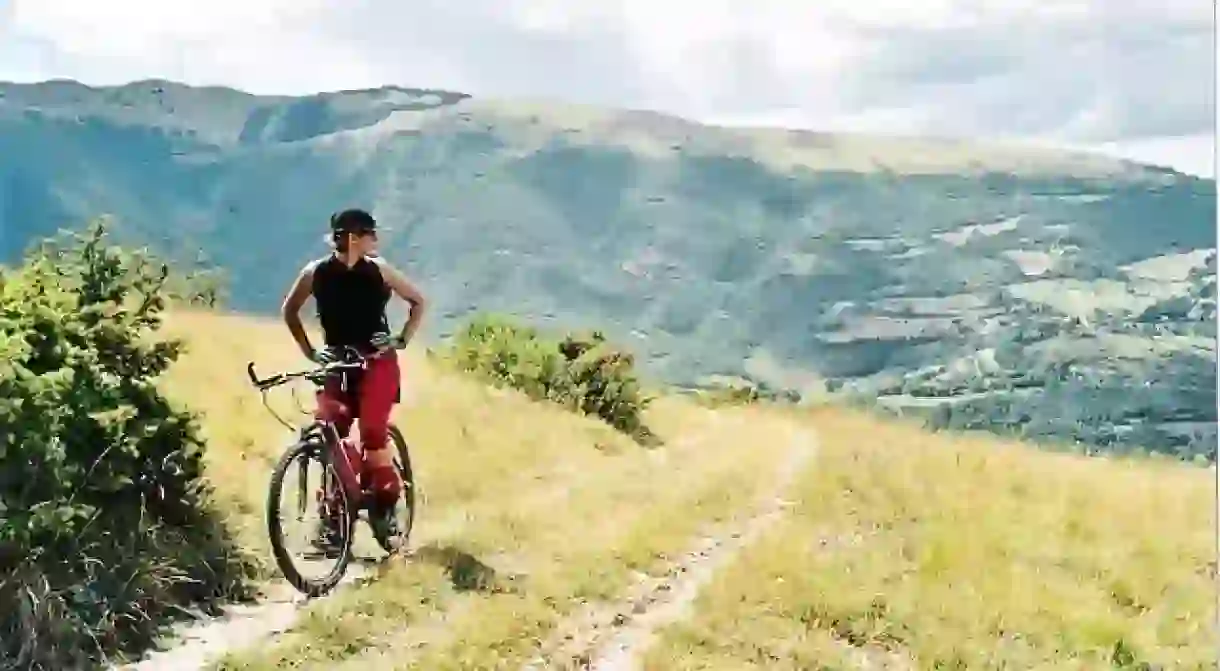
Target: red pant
point(370, 397)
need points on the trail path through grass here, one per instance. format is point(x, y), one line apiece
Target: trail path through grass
point(472, 446)
point(530, 514)
point(611, 637)
point(536, 559)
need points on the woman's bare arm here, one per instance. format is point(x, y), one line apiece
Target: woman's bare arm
point(295, 299)
point(408, 292)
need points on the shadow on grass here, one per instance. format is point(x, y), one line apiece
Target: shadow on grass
point(466, 572)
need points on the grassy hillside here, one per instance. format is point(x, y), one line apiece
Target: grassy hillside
point(916, 550)
point(986, 286)
point(905, 550)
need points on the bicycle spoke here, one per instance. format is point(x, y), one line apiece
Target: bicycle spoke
point(302, 492)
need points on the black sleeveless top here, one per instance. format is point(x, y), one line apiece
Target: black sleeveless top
point(351, 301)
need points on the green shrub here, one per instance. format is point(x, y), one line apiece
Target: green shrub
point(580, 372)
point(106, 527)
point(205, 287)
point(729, 395)
point(720, 391)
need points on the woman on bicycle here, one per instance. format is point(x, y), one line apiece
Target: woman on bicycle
point(351, 287)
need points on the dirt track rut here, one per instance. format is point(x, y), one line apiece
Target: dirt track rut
point(611, 636)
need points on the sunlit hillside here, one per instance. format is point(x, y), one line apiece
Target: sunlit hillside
point(827, 539)
point(909, 550)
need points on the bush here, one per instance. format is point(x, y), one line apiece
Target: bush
point(106, 527)
point(580, 372)
point(729, 395)
point(205, 287)
point(725, 391)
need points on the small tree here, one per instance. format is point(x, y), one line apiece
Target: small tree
point(105, 520)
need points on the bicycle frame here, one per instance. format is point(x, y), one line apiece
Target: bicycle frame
point(320, 431)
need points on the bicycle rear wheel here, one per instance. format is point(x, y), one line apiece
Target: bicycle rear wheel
point(307, 573)
point(405, 513)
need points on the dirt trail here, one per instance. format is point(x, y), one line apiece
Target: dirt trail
point(612, 636)
point(604, 637)
point(198, 644)
point(401, 645)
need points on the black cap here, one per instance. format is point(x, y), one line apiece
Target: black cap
point(351, 221)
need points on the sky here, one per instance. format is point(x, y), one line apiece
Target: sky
point(1132, 78)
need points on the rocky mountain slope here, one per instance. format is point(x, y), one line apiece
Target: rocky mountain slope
point(1063, 295)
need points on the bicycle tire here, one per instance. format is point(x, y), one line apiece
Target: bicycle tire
point(407, 473)
point(275, 531)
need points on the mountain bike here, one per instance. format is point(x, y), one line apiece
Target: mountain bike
point(318, 445)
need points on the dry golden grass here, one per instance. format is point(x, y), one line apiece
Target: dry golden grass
point(940, 552)
point(636, 516)
point(573, 535)
point(511, 486)
point(906, 549)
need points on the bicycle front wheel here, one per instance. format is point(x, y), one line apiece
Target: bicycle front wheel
point(313, 555)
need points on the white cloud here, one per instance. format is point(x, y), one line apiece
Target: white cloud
point(1134, 77)
point(1194, 154)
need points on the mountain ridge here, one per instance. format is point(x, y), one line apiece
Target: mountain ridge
point(582, 114)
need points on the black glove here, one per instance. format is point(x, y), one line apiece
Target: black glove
point(385, 341)
point(324, 357)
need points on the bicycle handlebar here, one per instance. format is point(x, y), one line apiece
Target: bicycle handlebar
point(313, 374)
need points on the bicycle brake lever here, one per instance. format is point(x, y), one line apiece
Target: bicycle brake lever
point(270, 382)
